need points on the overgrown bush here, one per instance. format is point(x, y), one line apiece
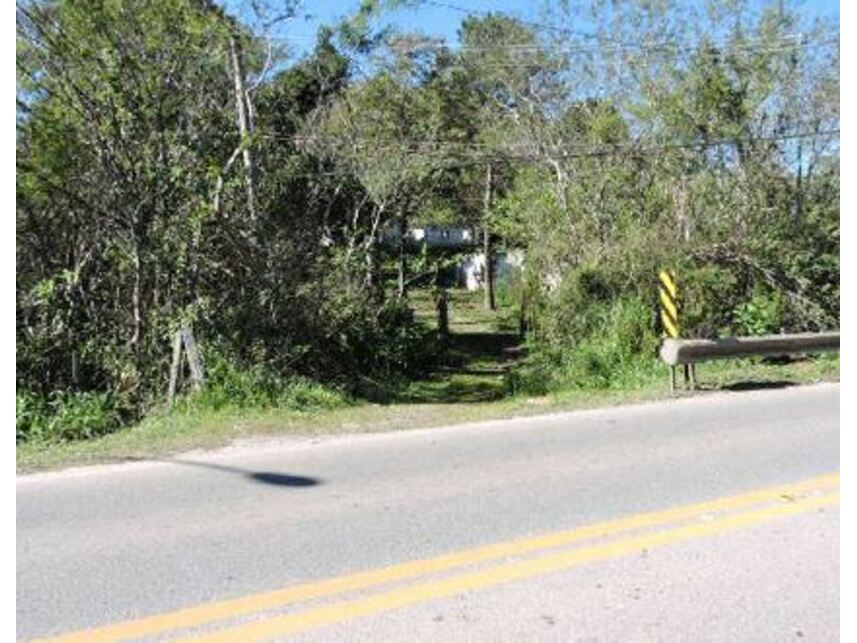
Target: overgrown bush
point(359, 344)
point(228, 384)
point(29, 413)
point(614, 345)
point(761, 314)
point(66, 417)
point(708, 294)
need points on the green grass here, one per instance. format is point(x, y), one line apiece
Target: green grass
point(164, 433)
point(467, 313)
point(479, 352)
point(467, 386)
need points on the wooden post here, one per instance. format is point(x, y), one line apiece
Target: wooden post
point(184, 345)
point(193, 359)
point(442, 314)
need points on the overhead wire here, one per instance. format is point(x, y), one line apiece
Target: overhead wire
point(666, 44)
point(604, 45)
point(798, 40)
point(571, 152)
point(419, 141)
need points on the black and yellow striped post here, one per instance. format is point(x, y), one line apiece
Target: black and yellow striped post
point(670, 305)
point(668, 291)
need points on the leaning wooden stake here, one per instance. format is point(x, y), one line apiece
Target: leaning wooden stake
point(193, 360)
point(184, 345)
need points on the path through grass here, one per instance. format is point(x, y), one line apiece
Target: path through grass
point(480, 350)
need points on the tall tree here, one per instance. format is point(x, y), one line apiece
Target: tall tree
point(132, 100)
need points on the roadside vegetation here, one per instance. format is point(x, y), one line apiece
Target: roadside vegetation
point(474, 382)
point(178, 169)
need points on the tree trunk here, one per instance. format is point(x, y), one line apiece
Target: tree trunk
point(561, 181)
point(682, 215)
point(799, 186)
point(373, 280)
point(487, 245)
point(136, 305)
point(136, 341)
point(245, 122)
point(403, 258)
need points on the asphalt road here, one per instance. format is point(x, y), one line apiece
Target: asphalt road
point(711, 518)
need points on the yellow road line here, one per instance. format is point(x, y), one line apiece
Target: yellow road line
point(420, 593)
point(231, 608)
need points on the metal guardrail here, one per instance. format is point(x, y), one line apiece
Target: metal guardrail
point(687, 352)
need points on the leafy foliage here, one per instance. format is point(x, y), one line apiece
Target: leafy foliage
point(173, 171)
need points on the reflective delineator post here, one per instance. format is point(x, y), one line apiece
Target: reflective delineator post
point(669, 307)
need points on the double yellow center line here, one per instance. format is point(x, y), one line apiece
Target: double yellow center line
point(722, 514)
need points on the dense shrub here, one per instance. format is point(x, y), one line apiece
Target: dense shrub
point(761, 314)
point(229, 385)
point(709, 294)
point(613, 345)
point(66, 417)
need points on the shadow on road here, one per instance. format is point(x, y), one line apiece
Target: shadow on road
point(754, 385)
point(265, 477)
point(282, 479)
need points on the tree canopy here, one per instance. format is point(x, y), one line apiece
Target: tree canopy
point(174, 170)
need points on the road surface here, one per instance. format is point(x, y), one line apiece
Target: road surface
point(710, 518)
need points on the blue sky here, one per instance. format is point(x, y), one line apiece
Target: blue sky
point(443, 21)
point(429, 19)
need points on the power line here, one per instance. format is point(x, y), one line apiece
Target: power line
point(477, 144)
point(586, 35)
point(783, 43)
point(556, 58)
point(799, 39)
point(572, 152)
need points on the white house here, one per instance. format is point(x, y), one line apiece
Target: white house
point(471, 271)
point(433, 236)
